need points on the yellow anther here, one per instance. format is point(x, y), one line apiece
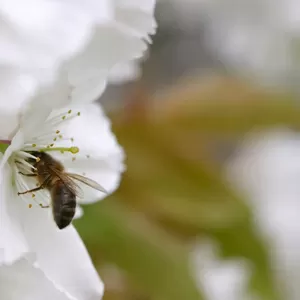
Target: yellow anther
point(69, 111)
point(60, 136)
point(29, 205)
point(33, 145)
point(57, 132)
point(37, 159)
point(63, 117)
point(51, 145)
point(78, 114)
point(33, 195)
point(74, 150)
point(54, 140)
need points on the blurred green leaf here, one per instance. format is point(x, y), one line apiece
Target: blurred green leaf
point(192, 197)
point(154, 260)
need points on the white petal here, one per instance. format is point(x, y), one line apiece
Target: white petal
point(100, 157)
point(36, 37)
point(15, 89)
point(124, 72)
point(13, 245)
point(138, 15)
point(24, 281)
point(113, 43)
point(219, 279)
point(39, 33)
point(61, 254)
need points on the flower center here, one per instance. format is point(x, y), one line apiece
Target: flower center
point(48, 138)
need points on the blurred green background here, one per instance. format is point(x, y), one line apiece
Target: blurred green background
point(179, 125)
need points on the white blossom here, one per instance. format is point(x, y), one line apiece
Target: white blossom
point(36, 36)
point(83, 134)
point(48, 43)
point(114, 43)
point(266, 170)
point(219, 279)
point(63, 57)
point(23, 280)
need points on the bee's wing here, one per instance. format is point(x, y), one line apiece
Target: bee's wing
point(91, 183)
point(69, 183)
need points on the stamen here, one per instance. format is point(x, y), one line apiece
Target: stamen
point(69, 111)
point(24, 154)
point(73, 150)
point(25, 164)
point(29, 205)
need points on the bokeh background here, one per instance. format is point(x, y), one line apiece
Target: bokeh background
point(209, 206)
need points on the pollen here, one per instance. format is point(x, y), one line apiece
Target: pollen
point(54, 140)
point(69, 111)
point(57, 132)
point(51, 145)
point(63, 117)
point(33, 195)
point(29, 205)
point(37, 159)
point(78, 114)
point(33, 145)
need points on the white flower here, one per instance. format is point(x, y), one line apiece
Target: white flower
point(219, 279)
point(28, 228)
point(114, 43)
point(259, 39)
point(36, 37)
point(267, 169)
point(91, 39)
point(28, 283)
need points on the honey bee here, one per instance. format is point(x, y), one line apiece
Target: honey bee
point(63, 190)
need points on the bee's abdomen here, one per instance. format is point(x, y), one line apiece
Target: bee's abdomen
point(64, 205)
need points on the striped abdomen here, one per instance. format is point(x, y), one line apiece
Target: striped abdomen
point(63, 204)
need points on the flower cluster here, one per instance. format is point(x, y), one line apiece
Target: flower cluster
point(55, 60)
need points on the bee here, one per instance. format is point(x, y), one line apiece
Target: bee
point(63, 190)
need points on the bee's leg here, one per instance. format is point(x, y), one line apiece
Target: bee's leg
point(44, 206)
point(29, 175)
point(42, 186)
point(32, 190)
